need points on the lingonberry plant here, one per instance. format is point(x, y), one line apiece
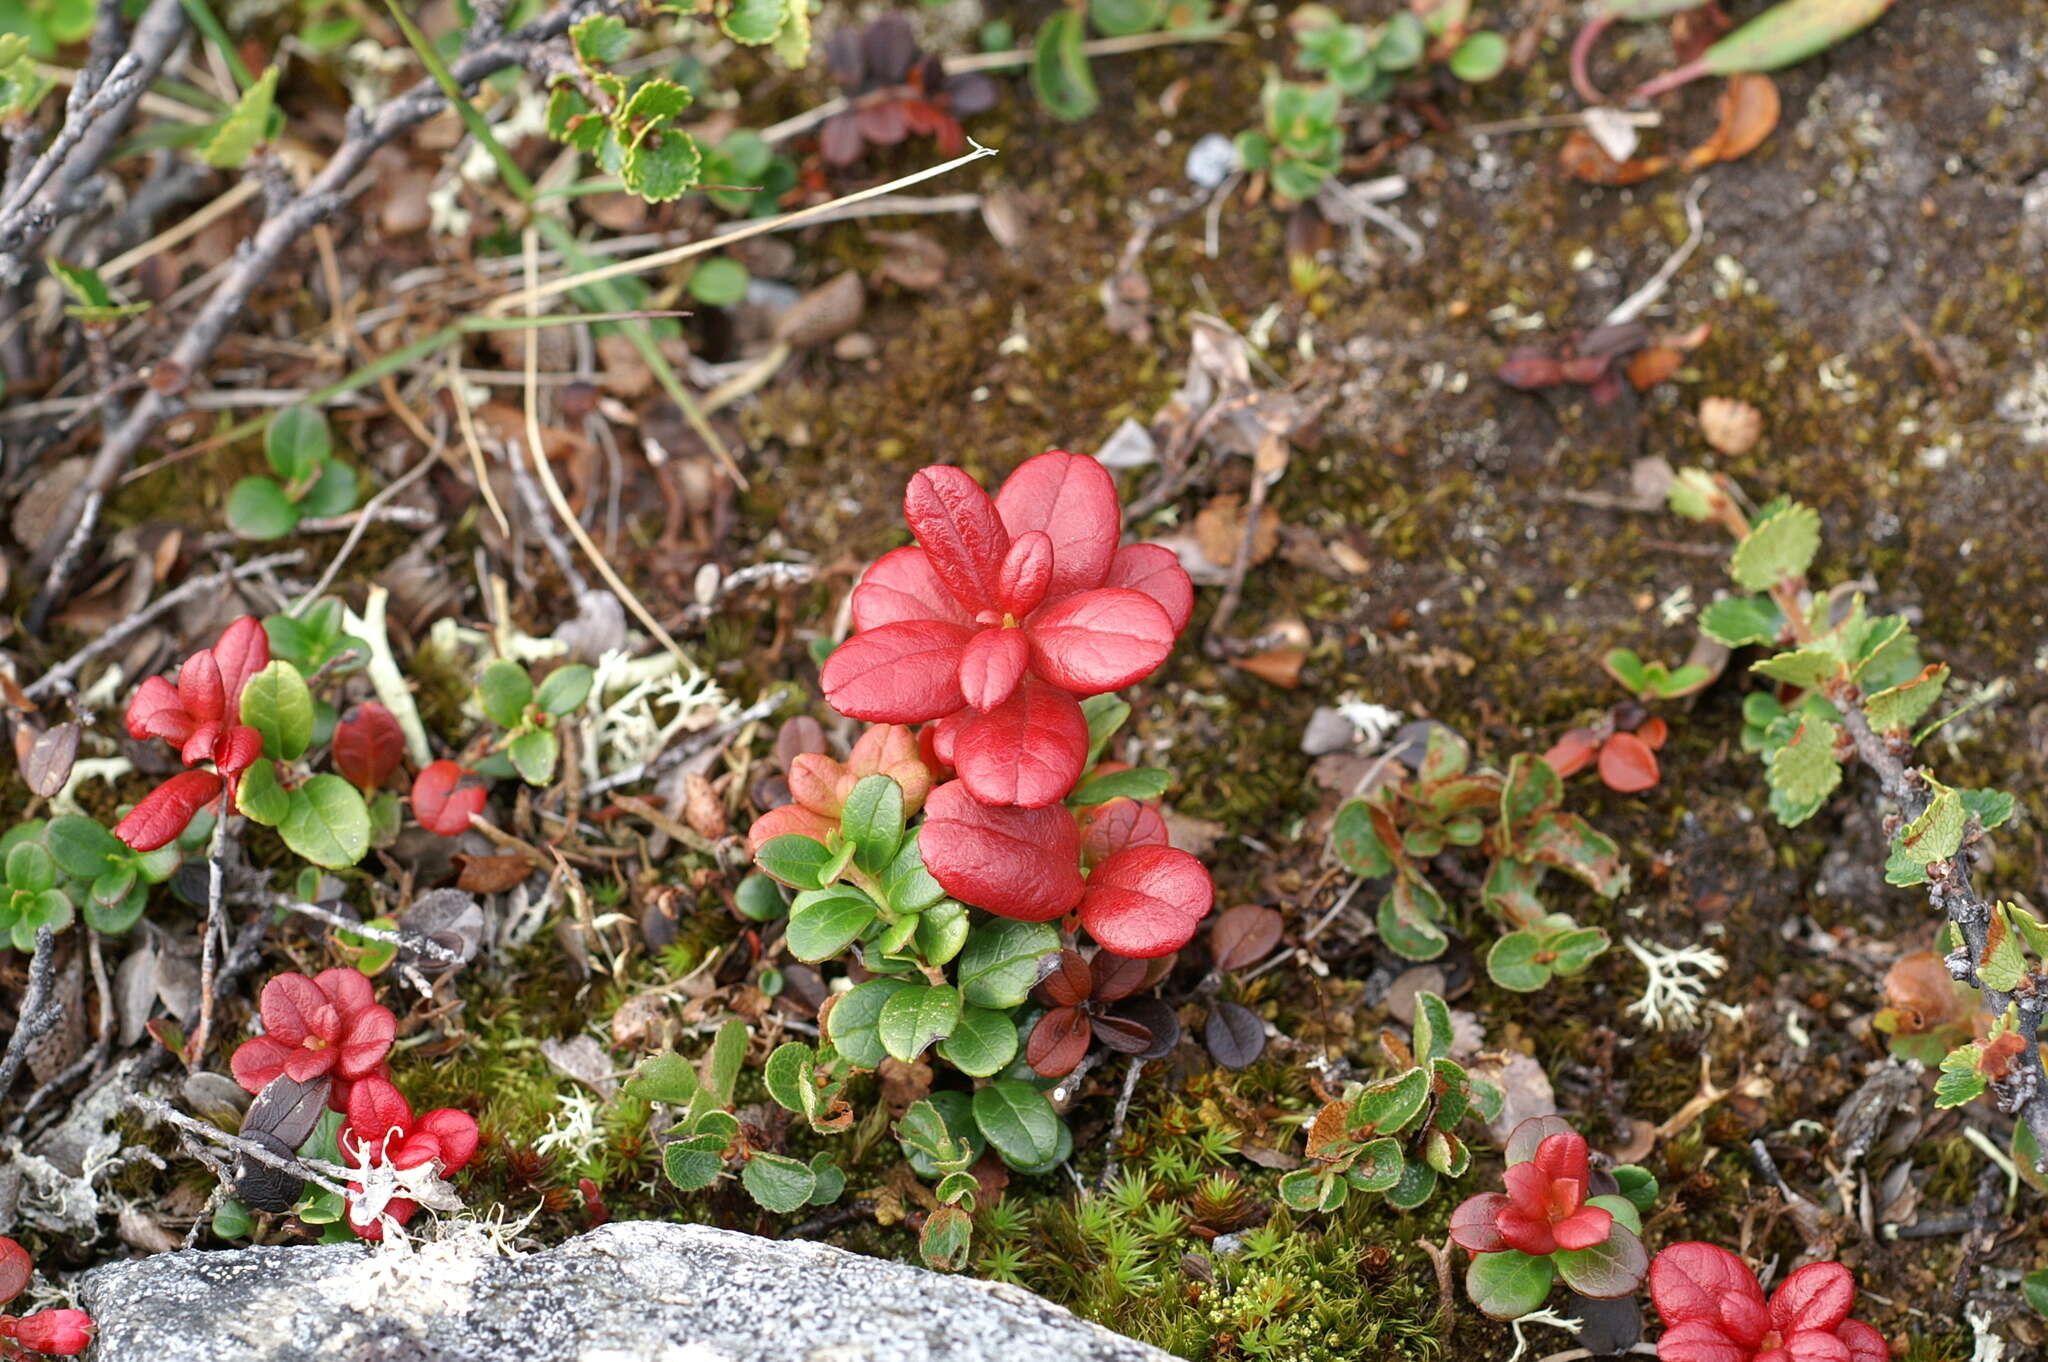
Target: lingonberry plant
point(1553, 1223)
point(49, 1333)
point(53, 872)
point(396, 1152)
point(530, 747)
point(1714, 1311)
point(330, 1024)
point(1514, 819)
point(1851, 685)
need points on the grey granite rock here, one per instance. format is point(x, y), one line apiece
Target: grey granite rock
point(630, 1292)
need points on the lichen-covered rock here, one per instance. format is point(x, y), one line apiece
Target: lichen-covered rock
point(624, 1293)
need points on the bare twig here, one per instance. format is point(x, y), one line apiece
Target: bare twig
point(418, 943)
point(1639, 302)
point(209, 949)
point(40, 1010)
point(319, 1172)
point(1116, 1124)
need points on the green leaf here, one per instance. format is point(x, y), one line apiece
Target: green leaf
point(1387, 1106)
point(1532, 788)
point(1445, 755)
point(1804, 667)
point(872, 820)
point(534, 754)
point(1606, 1271)
point(260, 796)
point(938, 1134)
point(504, 690)
point(1357, 843)
point(828, 1181)
point(693, 1162)
point(1139, 783)
point(755, 22)
point(760, 899)
point(851, 1024)
point(2004, 964)
point(237, 136)
point(1377, 1165)
point(1804, 770)
point(941, 932)
point(278, 704)
point(332, 493)
point(30, 868)
point(1937, 833)
point(1508, 1284)
point(906, 884)
point(1780, 547)
point(824, 922)
point(1789, 33)
point(327, 822)
point(80, 846)
point(600, 40)
point(724, 1060)
point(798, 861)
point(912, 1019)
point(1433, 1031)
point(1577, 949)
point(1903, 705)
point(565, 689)
point(1020, 1124)
point(1480, 58)
point(1417, 1185)
point(667, 1077)
point(662, 163)
point(257, 508)
point(1408, 918)
point(720, 281)
point(1059, 67)
point(1638, 1187)
point(2034, 1286)
point(1105, 715)
point(296, 443)
point(1959, 1082)
point(788, 1076)
point(1567, 842)
point(999, 963)
point(1991, 807)
point(944, 1239)
point(1121, 18)
point(983, 1042)
point(1312, 1189)
point(1513, 962)
point(1627, 668)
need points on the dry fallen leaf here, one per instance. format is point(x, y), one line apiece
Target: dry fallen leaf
point(1730, 425)
point(1583, 158)
point(1278, 666)
point(1749, 111)
point(1648, 368)
point(1219, 529)
point(911, 259)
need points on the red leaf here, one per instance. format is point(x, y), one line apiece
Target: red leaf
point(901, 585)
point(1145, 902)
point(1572, 752)
point(1028, 751)
point(1865, 1343)
point(164, 811)
point(1071, 498)
point(243, 651)
point(992, 665)
point(1563, 1156)
point(888, 750)
point(16, 1267)
point(790, 819)
point(1099, 640)
point(368, 746)
point(957, 525)
point(200, 690)
point(157, 712)
point(1070, 983)
point(377, 1109)
point(1117, 976)
point(55, 1333)
point(1817, 1296)
point(237, 750)
point(1627, 764)
point(1058, 1042)
point(1027, 573)
point(199, 747)
point(445, 797)
point(1699, 1341)
point(367, 1040)
point(1154, 570)
point(1016, 863)
point(296, 1009)
point(1704, 1283)
point(1814, 1345)
point(456, 1130)
point(1472, 1224)
point(1653, 731)
point(1122, 822)
point(1583, 1228)
point(1244, 935)
point(258, 1061)
point(903, 673)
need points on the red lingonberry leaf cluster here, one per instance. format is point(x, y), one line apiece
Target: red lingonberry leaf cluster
point(328, 1024)
point(1544, 1208)
point(1078, 995)
point(1714, 1311)
point(201, 716)
point(818, 785)
point(1625, 744)
point(445, 796)
point(368, 746)
point(1008, 612)
point(54, 1333)
point(383, 1132)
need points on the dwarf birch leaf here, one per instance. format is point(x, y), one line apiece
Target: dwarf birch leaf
point(2004, 964)
point(1804, 770)
point(1902, 705)
point(1803, 667)
point(1937, 833)
point(1959, 1082)
point(1780, 547)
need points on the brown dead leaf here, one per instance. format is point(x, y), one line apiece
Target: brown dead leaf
point(1648, 368)
point(1920, 987)
point(911, 259)
point(826, 313)
point(1749, 111)
point(46, 758)
point(1583, 158)
point(1730, 425)
point(1277, 666)
point(903, 1083)
point(703, 810)
point(1219, 530)
point(492, 874)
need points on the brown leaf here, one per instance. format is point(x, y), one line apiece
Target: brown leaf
point(1219, 530)
point(826, 313)
point(1648, 368)
point(492, 874)
point(1920, 987)
point(703, 810)
point(1730, 425)
point(46, 765)
point(1749, 111)
point(1244, 935)
point(1278, 666)
point(903, 1083)
point(1583, 158)
point(911, 259)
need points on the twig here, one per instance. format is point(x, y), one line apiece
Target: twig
point(1446, 1298)
point(1116, 1124)
point(1639, 302)
point(364, 519)
point(417, 942)
point(216, 876)
point(39, 1009)
point(319, 1172)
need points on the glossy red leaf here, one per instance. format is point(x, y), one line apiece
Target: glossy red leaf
point(1865, 1344)
point(200, 689)
point(902, 585)
point(157, 712)
point(200, 746)
point(54, 1333)
point(958, 526)
point(1572, 752)
point(1695, 1283)
point(1583, 1228)
point(1627, 764)
point(1099, 640)
point(368, 746)
point(1013, 862)
point(1473, 1224)
point(165, 811)
point(1700, 1342)
point(1817, 1296)
point(1811, 1345)
point(258, 1061)
point(1028, 751)
point(457, 1133)
point(1058, 1042)
point(1027, 573)
point(295, 1010)
point(1122, 822)
point(888, 750)
point(243, 651)
point(1072, 499)
point(1145, 901)
point(16, 1267)
point(903, 673)
point(1655, 732)
point(992, 665)
point(377, 1110)
point(1156, 571)
point(446, 796)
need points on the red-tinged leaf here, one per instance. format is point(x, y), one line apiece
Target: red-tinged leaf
point(902, 585)
point(164, 811)
point(1817, 1296)
point(1099, 640)
point(814, 783)
point(790, 819)
point(1244, 935)
point(366, 1042)
point(1027, 573)
point(368, 746)
point(376, 1109)
point(904, 673)
point(157, 712)
point(1583, 1228)
point(888, 750)
point(1627, 764)
point(1572, 752)
point(457, 1132)
point(1117, 976)
point(1069, 983)
point(1563, 1156)
point(1016, 863)
point(16, 1267)
point(1865, 1344)
point(446, 796)
point(1699, 1341)
point(1028, 751)
point(54, 1333)
point(1694, 1283)
point(992, 665)
point(1071, 498)
point(1058, 1042)
point(200, 689)
point(199, 747)
point(1655, 732)
point(957, 524)
point(1154, 570)
point(243, 651)
point(1528, 1136)
point(350, 990)
point(1814, 1345)
point(1120, 823)
point(1472, 1224)
point(1145, 902)
point(945, 734)
point(1122, 1035)
point(259, 1061)
point(237, 750)
point(296, 1009)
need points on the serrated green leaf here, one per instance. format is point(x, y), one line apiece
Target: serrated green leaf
point(1937, 833)
point(601, 39)
point(1804, 770)
point(755, 22)
point(1779, 547)
point(1804, 667)
point(1902, 705)
point(237, 136)
point(661, 163)
point(1990, 807)
point(2003, 964)
point(1959, 1082)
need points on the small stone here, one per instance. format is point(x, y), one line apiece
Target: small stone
point(1327, 731)
point(854, 346)
point(825, 313)
point(1130, 445)
point(1211, 160)
point(1401, 993)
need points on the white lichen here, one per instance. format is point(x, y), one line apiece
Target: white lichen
point(1677, 982)
point(1547, 1315)
point(572, 1128)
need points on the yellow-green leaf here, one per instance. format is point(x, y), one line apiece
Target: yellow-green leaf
point(1804, 770)
point(1902, 705)
point(1790, 33)
point(244, 128)
point(1782, 545)
point(1937, 833)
